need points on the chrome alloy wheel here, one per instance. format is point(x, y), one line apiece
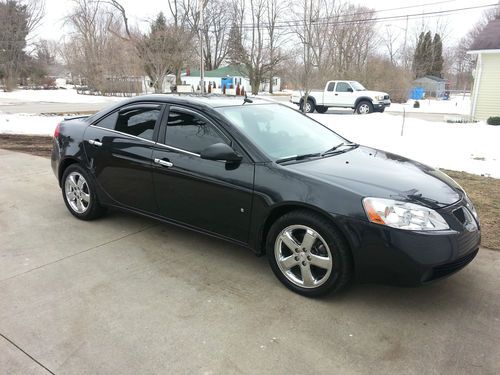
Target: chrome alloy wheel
point(303, 256)
point(77, 192)
point(308, 107)
point(364, 109)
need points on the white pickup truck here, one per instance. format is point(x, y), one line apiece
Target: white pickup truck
point(343, 94)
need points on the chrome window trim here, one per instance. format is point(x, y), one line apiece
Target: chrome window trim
point(147, 140)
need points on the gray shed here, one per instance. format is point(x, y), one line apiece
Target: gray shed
point(433, 86)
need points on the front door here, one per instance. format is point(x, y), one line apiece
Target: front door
point(344, 94)
point(119, 151)
point(214, 196)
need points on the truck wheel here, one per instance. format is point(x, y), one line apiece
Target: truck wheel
point(381, 110)
point(321, 109)
point(364, 107)
point(309, 106)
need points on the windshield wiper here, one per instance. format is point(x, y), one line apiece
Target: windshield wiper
point(297, 157)
point(335, 148)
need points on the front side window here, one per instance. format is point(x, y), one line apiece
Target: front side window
point(139, 122)
point(190, 132)
point(280, 131)
point(343, 87)
point(331, 86)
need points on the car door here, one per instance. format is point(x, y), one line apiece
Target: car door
point(214, 196)
point(119, 151)
point(344, 94)
point(330, 97)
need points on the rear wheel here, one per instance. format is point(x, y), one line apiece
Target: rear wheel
point(321, 109)
point(308, 254)
point(309, 106)
point(79, 193)
point(364, 107)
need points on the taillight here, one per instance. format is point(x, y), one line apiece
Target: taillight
point(56, 132)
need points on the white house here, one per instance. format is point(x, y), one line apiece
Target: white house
point(486, 92)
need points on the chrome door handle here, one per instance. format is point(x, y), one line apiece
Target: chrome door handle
point(95, 142)
point(164, 163)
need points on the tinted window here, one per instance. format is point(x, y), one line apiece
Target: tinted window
point(190, 132)
point(342, 87)
point(108, 122)
point(139, 122)
point(331, 85)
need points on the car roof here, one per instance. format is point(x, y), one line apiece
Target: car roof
point(210, 100)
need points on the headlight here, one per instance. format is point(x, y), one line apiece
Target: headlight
point(403, 215)
point(379, 97)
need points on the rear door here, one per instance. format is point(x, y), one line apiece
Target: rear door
point(214, 196)
point(119, 148)
point(329, 97)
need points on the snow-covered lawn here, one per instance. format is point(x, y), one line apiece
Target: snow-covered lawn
point(471, 148)
point(455, 105)
point(53, 96)
point(28, 124)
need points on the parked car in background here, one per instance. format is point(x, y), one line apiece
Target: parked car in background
point(325, 211)
point(343, 94)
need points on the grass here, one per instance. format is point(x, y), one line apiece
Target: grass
point(485, 194)
point(484, 191)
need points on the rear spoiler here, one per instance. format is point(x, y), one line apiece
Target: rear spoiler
point(69, 118)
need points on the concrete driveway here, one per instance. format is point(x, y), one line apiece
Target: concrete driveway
point(128, 295)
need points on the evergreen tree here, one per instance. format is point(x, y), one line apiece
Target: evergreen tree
point(417, 57)
point(13, 32)
point(437, 61)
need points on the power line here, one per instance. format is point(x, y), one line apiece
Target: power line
point(291, 23)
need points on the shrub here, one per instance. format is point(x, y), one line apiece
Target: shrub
point(494, 120)
point(416, 104)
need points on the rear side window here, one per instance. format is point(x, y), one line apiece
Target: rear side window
point(139, 122)
point(192, 133)
point(108, 122)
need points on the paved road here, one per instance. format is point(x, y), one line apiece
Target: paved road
point(18, 106)
point(128, 295)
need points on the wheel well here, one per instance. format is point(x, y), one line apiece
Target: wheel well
point(62, 167)
point(363, 99)
point(313, 99)
point(279, 211)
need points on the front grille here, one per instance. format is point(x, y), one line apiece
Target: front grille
point(386, 97)
point(448, 268)
point(460, 214)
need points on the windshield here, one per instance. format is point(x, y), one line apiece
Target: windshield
point(280, 131)
point(357, 86)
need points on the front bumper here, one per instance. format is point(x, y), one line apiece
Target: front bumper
point(381, 104)
point(394, 256)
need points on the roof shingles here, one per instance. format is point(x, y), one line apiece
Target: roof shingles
point(489, 38)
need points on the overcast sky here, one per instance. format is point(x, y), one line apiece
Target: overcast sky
point(140, 11)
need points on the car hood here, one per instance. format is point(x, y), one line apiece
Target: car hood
point(373, 93)
point(370, 172)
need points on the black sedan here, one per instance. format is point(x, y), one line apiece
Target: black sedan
point(324, 210)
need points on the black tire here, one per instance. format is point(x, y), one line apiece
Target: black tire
point(93, 208)
point(360, 108)
point(341, 272)
point(321, 109)
point(309, 108)
point(382, 110)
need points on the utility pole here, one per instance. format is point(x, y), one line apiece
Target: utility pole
point(404, 45)
point(201, 22)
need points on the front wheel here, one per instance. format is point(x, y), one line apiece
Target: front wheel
point(364, 107)
point(321, 109)
point(308, 254)
point(79, 193)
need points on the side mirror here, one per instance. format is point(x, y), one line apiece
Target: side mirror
point(350, 90)
point(220, 151)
